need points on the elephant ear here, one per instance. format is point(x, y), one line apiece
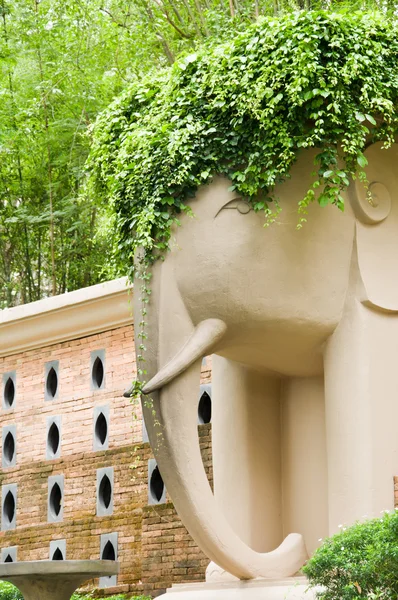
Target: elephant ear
point(376, 211)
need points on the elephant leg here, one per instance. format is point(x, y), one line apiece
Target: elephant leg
point(304, 462)
point(246, 452)
point(361, 394)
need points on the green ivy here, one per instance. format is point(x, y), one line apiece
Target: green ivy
point(360, 562)
point(246, 109)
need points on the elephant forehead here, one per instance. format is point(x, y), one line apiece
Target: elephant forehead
point(227, 263)
point(237, 253)
point(211, 198)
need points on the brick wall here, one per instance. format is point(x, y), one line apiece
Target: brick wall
point(75, 399)
point(154, 549)
point(147, 536)
point(169, 555)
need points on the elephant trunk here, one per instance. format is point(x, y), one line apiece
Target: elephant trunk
point(171, 420)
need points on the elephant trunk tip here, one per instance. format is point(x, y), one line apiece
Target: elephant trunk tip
point(129, 392)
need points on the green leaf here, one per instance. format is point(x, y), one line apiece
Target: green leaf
point(323, 200)
point(250, 103)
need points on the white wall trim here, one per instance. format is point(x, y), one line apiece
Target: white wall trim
point(66, 317)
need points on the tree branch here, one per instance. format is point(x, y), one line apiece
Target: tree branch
point(170, 21)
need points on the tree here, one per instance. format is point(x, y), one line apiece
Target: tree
point(61, 64)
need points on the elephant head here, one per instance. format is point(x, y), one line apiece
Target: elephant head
point(273, 299)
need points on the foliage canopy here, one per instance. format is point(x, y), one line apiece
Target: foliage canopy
point(57, 71)
point(245, 109)
point(360, 562)
point(61, 63)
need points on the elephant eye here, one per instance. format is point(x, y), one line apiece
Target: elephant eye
point(239, 204)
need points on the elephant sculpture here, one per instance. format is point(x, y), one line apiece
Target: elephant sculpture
point(303, 329)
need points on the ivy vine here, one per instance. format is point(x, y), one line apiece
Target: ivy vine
point(246, 109)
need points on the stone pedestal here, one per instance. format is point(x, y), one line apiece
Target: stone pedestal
point(53, 579)
point(292, 588)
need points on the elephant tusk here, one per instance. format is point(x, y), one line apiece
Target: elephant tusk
point(202, 340)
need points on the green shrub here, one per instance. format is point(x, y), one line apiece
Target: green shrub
point(9, 591)
point(360, 562)
point(117, 597)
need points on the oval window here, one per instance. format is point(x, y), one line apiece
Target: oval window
point(108, 552)
point(58, 555)
point(52, 383)
point(204, 408)
point(156, 485)
point(9, 448)
point(97, 373)
point(105, 491)
point(9, 507)
point(101, 429)
point(53, 439)
point(55, 499)
point(9, 393)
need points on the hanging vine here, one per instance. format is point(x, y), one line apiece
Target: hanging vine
point(246, 109)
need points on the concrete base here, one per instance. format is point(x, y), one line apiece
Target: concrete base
point(53, 579)
point(292, 588)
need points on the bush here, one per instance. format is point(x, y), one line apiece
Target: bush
point(118, 597)
point(10, 592)
point(360, 562)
